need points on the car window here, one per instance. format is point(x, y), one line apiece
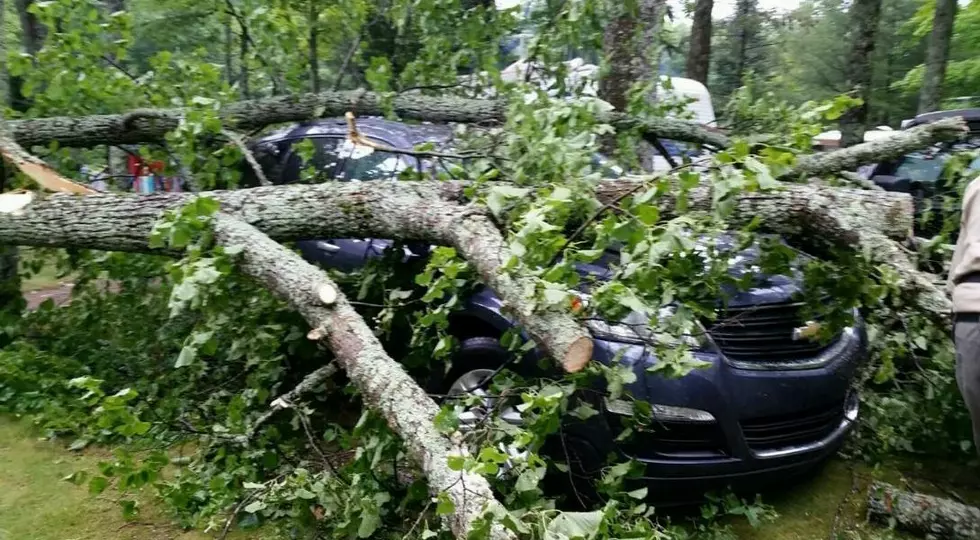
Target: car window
point(363, 163)
point(927, 169)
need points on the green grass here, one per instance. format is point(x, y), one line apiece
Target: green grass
point(37, 504)
point(837, 494)
point(46, 278)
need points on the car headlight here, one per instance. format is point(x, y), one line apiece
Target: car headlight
point(635, 329)
point(663, 413)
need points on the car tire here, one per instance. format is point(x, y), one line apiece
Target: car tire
point(474, 353)
point(570, 446)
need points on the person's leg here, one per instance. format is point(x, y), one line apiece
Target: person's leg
point(967, 333)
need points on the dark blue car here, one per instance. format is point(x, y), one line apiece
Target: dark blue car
point(772, 405)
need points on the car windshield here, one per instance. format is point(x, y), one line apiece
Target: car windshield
point(926, 167)
point(333, 158)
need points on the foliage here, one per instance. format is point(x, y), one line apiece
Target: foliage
point(175, 362)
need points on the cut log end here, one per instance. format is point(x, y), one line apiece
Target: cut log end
point(14, 203)
point(578, 355)
point(316, 334)
point(327, 294)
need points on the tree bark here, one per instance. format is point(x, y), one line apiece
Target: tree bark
point(243, 60)
point(314, 54)
point(151, 125)
point(383, 383)
point(699, 55)
point(393, 210)
point(923, 514)
point(886, 149)
point(937, 56)
point(229, 55)
point(744, 10)
point(630, 44)
point(864, 20)
point(32, 31)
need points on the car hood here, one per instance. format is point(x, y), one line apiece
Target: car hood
point(766, 289)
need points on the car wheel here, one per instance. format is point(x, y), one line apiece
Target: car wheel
point(476, 362)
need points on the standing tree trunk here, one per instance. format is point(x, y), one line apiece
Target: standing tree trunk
point(744, 11)
point(314, 55)
point(115, 5)
point(32, 31)
point(864, 20)
point(11, 300)
point(243, 62)
point(630, 44)
point(229, 54)
point(699, 55)
point(936, 57)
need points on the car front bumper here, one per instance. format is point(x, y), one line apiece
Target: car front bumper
point(763, 427)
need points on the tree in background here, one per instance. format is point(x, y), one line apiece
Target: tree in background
point(699, 53)
point(938, 55)
point(741, 44)
point(864, 15)
point(631, 47)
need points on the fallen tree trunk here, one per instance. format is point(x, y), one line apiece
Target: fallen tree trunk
point(151, 125)
point(413, 211)
point(383, 383)
point(392, 210)
point(929, 516)
point(882, 150)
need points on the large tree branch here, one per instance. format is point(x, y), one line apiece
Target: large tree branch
point(383, 383)
point(418, 211)
point(924, 514)
point(882, 150)
point(150, 125)
point(393, 210)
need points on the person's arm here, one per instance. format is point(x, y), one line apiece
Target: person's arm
point(966, 257)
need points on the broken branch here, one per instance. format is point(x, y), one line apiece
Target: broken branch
point(924, 514)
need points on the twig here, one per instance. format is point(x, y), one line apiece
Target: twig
point(239, 141)
point(285, 401)
point(247, 36)
point(347, 58)
point(663, 151)
point(417, 521)
point(355, 136)
point(234, 512)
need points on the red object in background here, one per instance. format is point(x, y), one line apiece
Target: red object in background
point(134, 164)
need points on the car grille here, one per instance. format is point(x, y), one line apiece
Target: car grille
point(678, 439)
point(773, 432)
point(764, 333)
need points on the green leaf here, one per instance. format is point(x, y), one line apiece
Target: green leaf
point(444, 505)
point(762, 174)
point(638, 494)
point(574, 525)
point(370, 521)
point(97, 484)
point(456, 463)
point(255, 506)
point(499, 195)
point(186, 356)
point(584, 411)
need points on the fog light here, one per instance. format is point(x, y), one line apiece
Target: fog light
point(664, 413)
point(851, 407)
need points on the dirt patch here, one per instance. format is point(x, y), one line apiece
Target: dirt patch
point(60, 295)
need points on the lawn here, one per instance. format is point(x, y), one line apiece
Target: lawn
point(37, 504)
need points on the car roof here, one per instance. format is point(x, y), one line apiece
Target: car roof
point(972, 117)
point(397, 134)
